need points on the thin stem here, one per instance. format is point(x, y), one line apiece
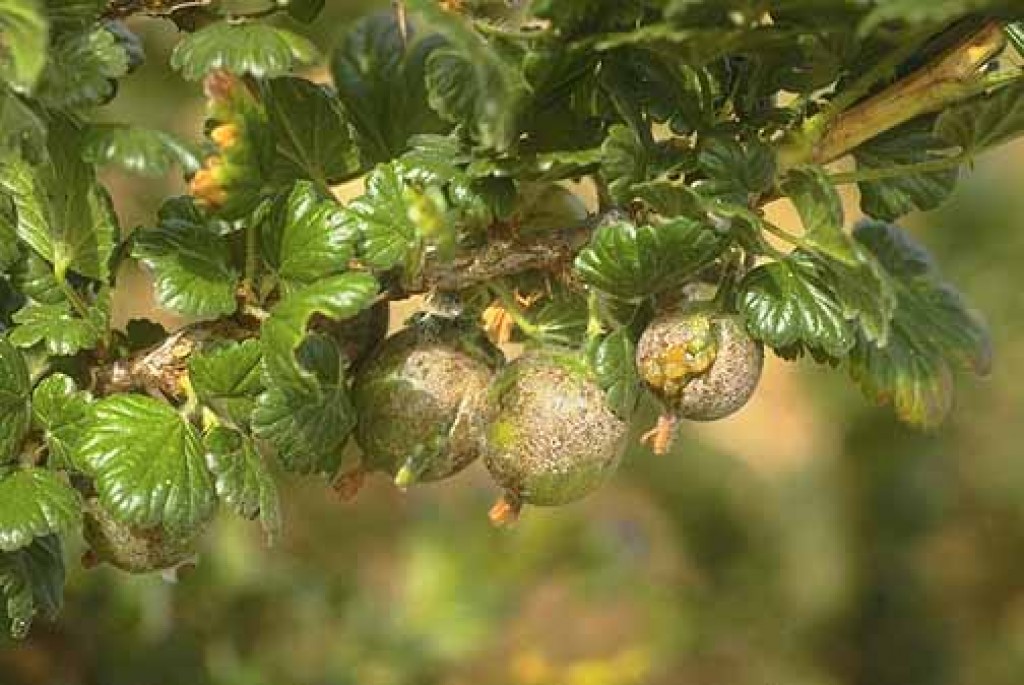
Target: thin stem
point(249, 274)
point(881, 174)
point(77, 303)
point(783, 234)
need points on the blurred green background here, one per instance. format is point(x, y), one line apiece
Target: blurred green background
point(810, 540)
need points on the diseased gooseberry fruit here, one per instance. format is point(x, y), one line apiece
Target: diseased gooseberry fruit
point(551, 437)
point(703, 365)
point(420, 400)
point(132, 549)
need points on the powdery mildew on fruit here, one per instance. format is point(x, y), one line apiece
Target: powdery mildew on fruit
point(551, 437)
point(421, 393)
point(131, 549)
point(724, 387)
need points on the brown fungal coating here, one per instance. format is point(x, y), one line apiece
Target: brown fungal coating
point(131, 549)
point(703, 365)
point(421, 400)
point(551, 437)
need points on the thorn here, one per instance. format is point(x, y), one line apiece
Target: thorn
point(661, 437)
point(348, 485)
point(505, 511)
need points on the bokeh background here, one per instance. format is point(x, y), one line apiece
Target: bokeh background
point(810, 540)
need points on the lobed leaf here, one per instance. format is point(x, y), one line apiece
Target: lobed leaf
point(307, 237)
point(61, 412)
point(310, 132)
point(634, 262)
point(381, 219)
point(62, 214)
point(933, 334)
point(986, 122)
point(81, 69)
point(190, 261)
point(242, 480)
point(381, 79)
point(147, 463)
point(25, 35)
point(614, 363)
point(227, 379)
point(891, 198)
point(32, 580)
point(15, 394)
point(35, 503)
point(144, 151)
point(248, 48)
point(338, 297)
point(61, 330)
point(790, 306)
point(308, 424)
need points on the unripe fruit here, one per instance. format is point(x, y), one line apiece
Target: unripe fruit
point(131, 549)
point(421, 399)
point(703, 365)
point(551, 437)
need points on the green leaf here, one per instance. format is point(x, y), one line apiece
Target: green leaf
point(20, 125)
point(338, 297)
point(82, 69)
point(59, 327)
point(62, 214)
point(561, 320)
point(248, 48)
point(381, 79)
point(937, 12)
point(227, 379)
point(307, 237)
point(190, 261)
point(933, 334)
point(15, 391)
point(387, 232)
point(10, 250)
point(73, 15)
point(61, 412)
point(305, 10)
point(471, 83)
point(790, 306)
point(34, 503)
point(25, 36)
point(816, 200)
point(894, 197)
point(243, 481)
point(625, 162)
point(633, 262)
point(737, 168)
point(34, 278)
point(614, 362)
point(986, 122)
point(584, 16)
point(144, 151)
point(147, 464)
point(310, 132)
point(308, 426)
point(32, 580)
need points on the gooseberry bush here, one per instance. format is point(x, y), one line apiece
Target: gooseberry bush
point(474, 127)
